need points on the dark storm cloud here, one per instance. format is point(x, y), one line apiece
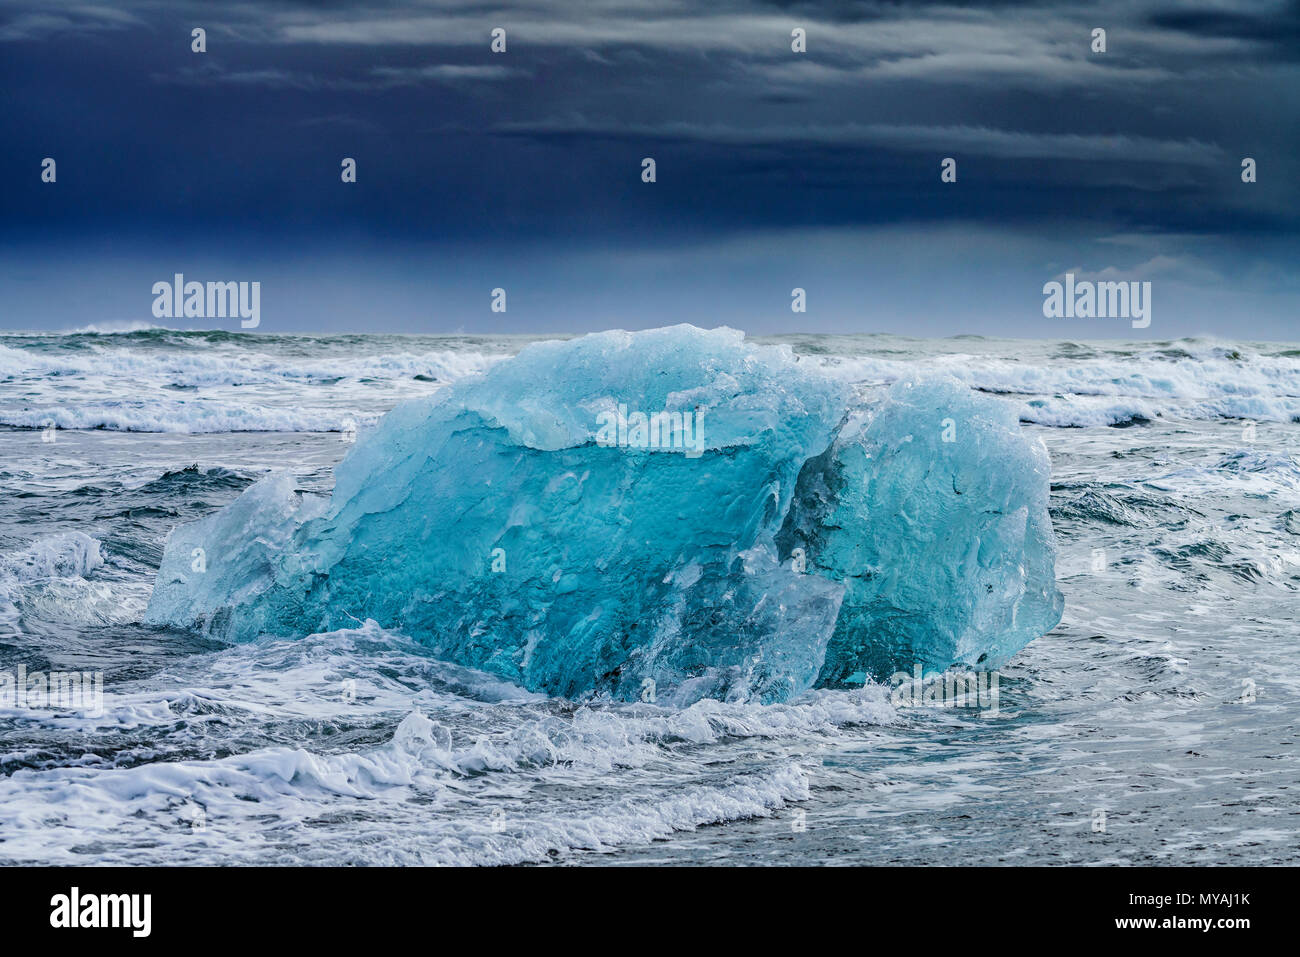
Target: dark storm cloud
point(240, 146)
point(1272, 28)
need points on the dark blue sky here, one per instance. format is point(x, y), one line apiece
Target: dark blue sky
point(522, 170)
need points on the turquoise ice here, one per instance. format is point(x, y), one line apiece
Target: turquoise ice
point(671, 514)
point(931, 507)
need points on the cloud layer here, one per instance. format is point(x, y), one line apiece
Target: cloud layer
point(1099, 161)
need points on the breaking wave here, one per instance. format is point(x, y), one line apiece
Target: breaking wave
point(434, 750)
point(136, 377)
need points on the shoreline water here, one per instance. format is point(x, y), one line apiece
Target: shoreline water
point(1161, 707)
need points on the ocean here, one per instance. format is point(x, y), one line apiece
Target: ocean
point(1155, 725)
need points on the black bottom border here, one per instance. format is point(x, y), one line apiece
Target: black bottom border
point(932, 906)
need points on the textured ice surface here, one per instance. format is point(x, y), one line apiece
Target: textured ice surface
point(495, 523)
point(931, 506)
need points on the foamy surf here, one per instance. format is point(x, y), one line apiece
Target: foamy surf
point(256, 383)
point(1166, 695)
point(457, 749)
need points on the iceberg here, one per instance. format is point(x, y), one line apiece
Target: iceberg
point(932, 508)
point(666, 515)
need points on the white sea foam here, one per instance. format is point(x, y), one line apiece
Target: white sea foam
point(188, 417)
point(358, 747)
point(132, 386)
point(52, 579)
point(216, 811)
point(128, 385)
point(149, 364)
point(67, 555)
point(1114, 389)
point(463, 745)
point(116, 328)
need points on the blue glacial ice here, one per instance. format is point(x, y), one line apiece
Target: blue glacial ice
point(672, 514)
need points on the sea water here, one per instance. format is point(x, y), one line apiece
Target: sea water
point(1156, 723)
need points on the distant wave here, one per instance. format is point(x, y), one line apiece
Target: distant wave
point(1073, 411)
point(188, 418)
point(132, 376)
point(1120, 389)
point(230, 367)
point(121, 327)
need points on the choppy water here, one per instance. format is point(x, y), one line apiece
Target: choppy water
point(1166, 699)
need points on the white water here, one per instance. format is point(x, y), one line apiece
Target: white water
point(357, 747)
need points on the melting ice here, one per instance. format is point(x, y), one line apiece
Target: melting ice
point(815, 540)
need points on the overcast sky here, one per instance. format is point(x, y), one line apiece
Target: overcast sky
point(775, 169)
